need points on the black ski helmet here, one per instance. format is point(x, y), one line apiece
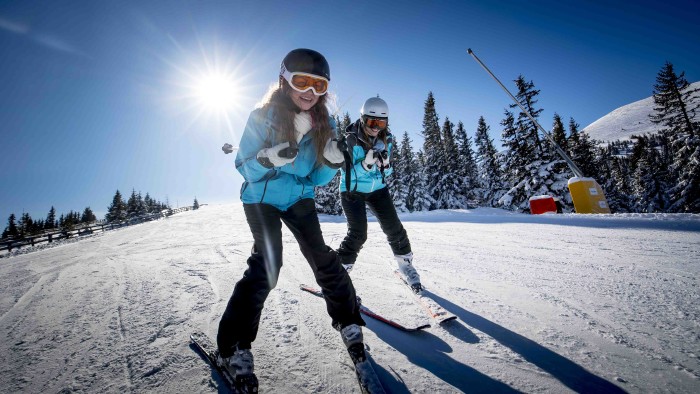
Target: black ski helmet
point(306, 61)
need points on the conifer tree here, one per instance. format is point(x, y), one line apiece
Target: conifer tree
point(195, 204)
point(432, 151)
point(405, 175)
point(449, 184)
point(117, 210)
point(674, 105)
point(467, 168)
point(25, 225)
point(581, 150)
point(50, 222)
point(421, 197)
point(531, 146)
point(11, 230)
point(88, 216)
point(559, 133)
point(395, 182)
point(490, 174)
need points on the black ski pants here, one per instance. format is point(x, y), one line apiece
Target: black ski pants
point(239, 324)
point(381, 205)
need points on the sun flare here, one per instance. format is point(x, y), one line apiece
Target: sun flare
point(216, 92)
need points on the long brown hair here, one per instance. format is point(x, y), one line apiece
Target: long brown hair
point(284, 110)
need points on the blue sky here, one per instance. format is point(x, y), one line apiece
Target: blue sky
point(100, 96)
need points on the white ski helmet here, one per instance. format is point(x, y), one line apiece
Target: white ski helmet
point(375, 107)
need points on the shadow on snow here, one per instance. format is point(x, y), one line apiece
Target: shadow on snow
point(572, 375)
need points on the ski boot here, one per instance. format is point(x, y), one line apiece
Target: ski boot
point(408, 272)
point(240, 366)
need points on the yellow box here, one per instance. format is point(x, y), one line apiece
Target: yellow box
point(588, 196)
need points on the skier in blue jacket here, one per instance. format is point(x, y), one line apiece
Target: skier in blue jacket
point(288, 147)
point(370, 145)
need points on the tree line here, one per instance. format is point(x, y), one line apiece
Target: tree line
point(119, 210)
point(658, 172)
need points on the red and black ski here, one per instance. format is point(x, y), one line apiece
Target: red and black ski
point(366, 311)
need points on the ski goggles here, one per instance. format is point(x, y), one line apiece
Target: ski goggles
point(376, 123)
point(302, 82)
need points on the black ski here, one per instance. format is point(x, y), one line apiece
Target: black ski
point(432, 308)
point(244, 385)
point(366, 311)
point(366, 376)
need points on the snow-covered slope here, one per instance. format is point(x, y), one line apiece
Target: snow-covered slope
point(548, 303)
point(628, 120)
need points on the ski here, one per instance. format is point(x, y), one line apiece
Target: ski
point(245, 385)
point(366, 376)
point(366, 311)
point(432, 308)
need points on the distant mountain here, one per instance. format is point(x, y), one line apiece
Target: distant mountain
point(631, 119)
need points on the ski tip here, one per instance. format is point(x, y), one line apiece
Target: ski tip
point(469, 51)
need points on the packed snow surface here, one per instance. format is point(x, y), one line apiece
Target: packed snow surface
point(547, 303)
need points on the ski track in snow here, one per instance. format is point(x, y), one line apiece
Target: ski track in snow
point(552, 303)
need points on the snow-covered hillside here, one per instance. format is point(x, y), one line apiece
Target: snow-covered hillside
point(628, 120)
point(548, 303)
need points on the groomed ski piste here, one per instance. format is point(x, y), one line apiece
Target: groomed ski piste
point(547, 303)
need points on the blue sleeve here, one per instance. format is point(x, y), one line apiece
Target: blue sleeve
point(322, 175)
point(253, 139)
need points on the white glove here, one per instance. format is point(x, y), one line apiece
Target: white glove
point(302, 124)
point(270, 157)
point(369, 160)
point(332, 153)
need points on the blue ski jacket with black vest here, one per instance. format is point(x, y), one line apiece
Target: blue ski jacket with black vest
point(362, 180)
point(283, 186)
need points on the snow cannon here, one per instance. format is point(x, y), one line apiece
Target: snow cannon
point(542, 204)
point(588, 196)
point(586, 193)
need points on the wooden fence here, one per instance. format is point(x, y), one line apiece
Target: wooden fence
point(100, 226)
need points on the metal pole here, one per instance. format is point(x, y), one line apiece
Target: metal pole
point(574, 168)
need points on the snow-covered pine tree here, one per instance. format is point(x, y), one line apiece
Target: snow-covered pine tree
point(117, 211)
point(449, 184)
point(559, 133)
point(490, 179)
point(467, 168)
point(432, 152)
point(534, 170)
point(676, 107)
point(647, 180)
point(395, 181)
point(421, 196)
point(581, 150)
point(407, 177)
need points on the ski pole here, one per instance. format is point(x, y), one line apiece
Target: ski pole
point(574, 168)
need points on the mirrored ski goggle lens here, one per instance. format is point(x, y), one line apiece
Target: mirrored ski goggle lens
point(304, 82)
point(376, 123)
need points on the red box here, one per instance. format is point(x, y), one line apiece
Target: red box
point(542, 204)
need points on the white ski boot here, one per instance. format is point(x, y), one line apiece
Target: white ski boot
point(408, 272)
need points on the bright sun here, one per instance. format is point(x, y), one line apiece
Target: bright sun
point(216, 92)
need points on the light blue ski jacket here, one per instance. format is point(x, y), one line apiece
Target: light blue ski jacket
point(361, 180)
point(283, 186)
